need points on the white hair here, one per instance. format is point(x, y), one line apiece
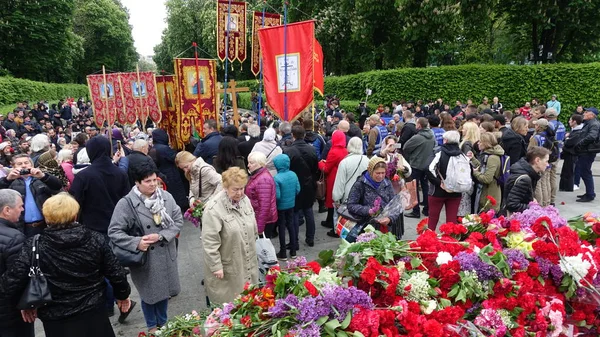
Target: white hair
point(355, 145)
point(64, 155)
point(285, 128)
point(270, 134)
point(139, 144)
point(451, 137)
point(258, 158)
point(39, 143)
point(254, 130)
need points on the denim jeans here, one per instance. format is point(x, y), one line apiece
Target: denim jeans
point(309, 216)
point(585, 162)
point(286, 221)
point(155, 314)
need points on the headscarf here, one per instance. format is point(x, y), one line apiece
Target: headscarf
point(49, 165)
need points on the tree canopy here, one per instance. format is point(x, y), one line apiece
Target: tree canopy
point(64, 40)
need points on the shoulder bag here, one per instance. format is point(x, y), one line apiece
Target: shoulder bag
point(126, 257)
point(37, 294)
point(321, 187)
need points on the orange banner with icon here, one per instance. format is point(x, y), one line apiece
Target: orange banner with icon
point(231, 21)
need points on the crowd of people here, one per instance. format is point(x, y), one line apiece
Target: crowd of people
point(94, 197)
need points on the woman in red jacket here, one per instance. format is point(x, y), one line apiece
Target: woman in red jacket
point(261, 192)
point(329, 167)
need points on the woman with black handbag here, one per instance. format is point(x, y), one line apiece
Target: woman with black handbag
point(156, 213)
point(70, 265)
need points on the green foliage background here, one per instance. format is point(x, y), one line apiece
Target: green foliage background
point(13, 90)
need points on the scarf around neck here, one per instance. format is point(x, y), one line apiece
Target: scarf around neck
point(156, 205)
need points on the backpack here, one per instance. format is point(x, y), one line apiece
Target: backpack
point(458, 174)
point(551, 144)
point(318, 148)
point(504, 170)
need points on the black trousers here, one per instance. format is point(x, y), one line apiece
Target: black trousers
point(93, 323)
point(18, 329)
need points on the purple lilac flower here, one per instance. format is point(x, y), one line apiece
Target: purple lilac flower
point(299, 261)
point(472, 262)
point(311, 308)
point(345, 299)
point(516, 258)
point(366, 237)
point(528, 217)
point(548, 269)
point(283, 306)
point(311, 330)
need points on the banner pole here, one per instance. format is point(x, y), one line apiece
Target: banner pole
point(260, 72)
point(107, 113)
point(285, 78)
point(226, 64)
point(139, 92)
point(198, 89)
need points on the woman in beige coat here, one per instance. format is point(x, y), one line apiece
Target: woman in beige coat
point(198, 172)
point(229, 239)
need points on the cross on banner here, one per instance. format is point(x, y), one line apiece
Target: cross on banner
point(233, 90)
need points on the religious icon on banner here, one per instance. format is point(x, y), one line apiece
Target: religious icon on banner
point(169, 104)
point(110, 91)
point(106, 109)
point(138, 91)
point(193, 88)
point(291, 80)
point(141, 98)
point(270, 20)
point(231, 30)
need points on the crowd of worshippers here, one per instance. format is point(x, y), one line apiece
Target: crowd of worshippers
point(258, 178)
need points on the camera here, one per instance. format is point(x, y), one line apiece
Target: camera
point(25, 172)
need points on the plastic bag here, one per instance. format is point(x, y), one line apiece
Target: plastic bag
point(267, 257)
point(395, 206)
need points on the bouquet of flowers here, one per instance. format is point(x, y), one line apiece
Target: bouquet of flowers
point(194, 213)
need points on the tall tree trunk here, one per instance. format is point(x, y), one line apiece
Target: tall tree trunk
point(420, 54)
point(534, 43)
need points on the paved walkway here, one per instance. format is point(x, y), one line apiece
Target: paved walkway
point(192, 295)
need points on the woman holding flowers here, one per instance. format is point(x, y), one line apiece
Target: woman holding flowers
point(204, 179)
point(487, 170)
point(373, 188)
point(229, 242)
point(261, 192)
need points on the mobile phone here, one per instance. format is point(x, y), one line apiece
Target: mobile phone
point(119, 145)
point(397, 146)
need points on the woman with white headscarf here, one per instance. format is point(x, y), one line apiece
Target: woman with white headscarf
point(270, 148)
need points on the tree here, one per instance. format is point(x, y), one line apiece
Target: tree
point(554, 30)
point(37, 42)
point(104, 26)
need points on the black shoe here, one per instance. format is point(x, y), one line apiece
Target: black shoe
point(123, 315)
point(289, 246)
point(585, 199)
point(582, 196)
point(413, 215)
point(332, 234)
point(322, 209)
point(282, 256)
point(326, 224)
point(310, 243)
point(111, 311)
point(425, 213)
point(292, 254)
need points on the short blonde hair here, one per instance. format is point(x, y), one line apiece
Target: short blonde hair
point(258, 158)
point(60, 210)
point(184, 157)
point(234, 176)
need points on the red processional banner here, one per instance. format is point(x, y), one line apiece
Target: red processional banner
point(271, 20)
point(140, 98)
point(235, 16)
point(107, 101)
point(166, 87)
point(318, 70)
point(288, 68)
point(196, 82)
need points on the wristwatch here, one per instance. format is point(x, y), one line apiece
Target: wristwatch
point(160, 237)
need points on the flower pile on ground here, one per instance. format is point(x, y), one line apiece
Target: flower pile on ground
point(532, 274)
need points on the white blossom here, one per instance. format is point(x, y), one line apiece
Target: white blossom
point(443, 258)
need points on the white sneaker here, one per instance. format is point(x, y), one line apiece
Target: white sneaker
point(575, 187)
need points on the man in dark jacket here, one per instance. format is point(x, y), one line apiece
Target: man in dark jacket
point(417, 151)
point(97, 189)
point(313, 138)
point(11, 241)
point(246, 146)
point(513, 143)
point(567, 174)
point(35, 186)
point(209, 145)
point(137, 157)
point(303, 162)
point(9, 123)
point(524, 175)
point(164, 157)
point(586, 149)
point(409, 129)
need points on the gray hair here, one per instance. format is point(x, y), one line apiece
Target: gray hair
point(355, 145)
point(254, 130)
point(451, 137)
point(139, 144)
point(258, 157)
point(8, 198)
point(285, 128)
point(64, 155)
point(11, 133)
point(269, 135)
point(40, 142)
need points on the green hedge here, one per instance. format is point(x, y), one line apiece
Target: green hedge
point(13, 90)
point(573, 83)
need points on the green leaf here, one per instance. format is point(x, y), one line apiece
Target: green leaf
point(415, 262)
point(322, 320)
point(342, 334)
point(357, 334)
point(347, 321)
point(332, 324)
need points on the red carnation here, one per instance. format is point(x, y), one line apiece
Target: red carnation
point(433, 328)
point(246, 321)
point(542, 227)
point(515, 226)
point(314, 266)
point(492, 200)
point(596, 228)
point(312, 290)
